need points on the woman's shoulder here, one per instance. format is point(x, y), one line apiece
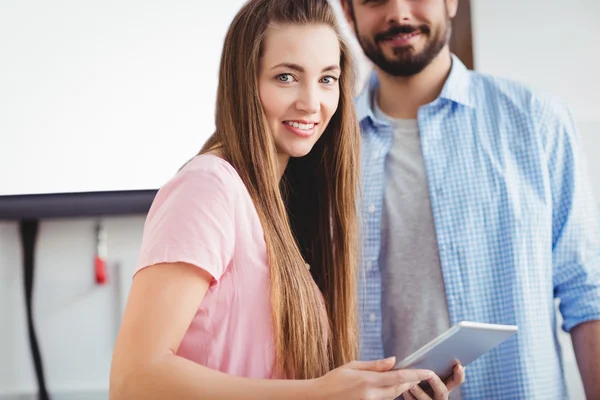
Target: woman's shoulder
point(204, 181)
point(210, 164)
point(207, 171)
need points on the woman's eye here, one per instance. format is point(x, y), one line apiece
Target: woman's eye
point(285, 78)
point(329, 80)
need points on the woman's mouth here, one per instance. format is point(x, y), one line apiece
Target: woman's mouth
point(301, 128)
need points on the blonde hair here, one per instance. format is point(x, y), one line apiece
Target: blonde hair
point(310, 216)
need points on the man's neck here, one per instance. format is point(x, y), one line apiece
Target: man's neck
point(401, 97)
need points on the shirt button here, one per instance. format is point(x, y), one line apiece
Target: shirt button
point(373, 317)
point(372, 209)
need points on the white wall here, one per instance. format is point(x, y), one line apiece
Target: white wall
point(77, 321)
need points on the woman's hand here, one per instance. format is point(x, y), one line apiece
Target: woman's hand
point(437, 389)
point(368, 380)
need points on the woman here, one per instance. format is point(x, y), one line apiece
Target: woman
point(224, 304)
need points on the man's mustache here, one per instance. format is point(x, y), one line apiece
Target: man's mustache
point(400, 29)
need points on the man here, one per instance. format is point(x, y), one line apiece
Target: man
point(477, 207)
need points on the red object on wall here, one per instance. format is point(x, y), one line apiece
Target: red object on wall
point(100, 258)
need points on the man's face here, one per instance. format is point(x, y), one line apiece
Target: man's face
point(401, 37)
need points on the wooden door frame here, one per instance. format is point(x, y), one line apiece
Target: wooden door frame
point(461, 41)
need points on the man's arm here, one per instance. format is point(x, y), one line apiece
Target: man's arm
point(586, 342)
point(576, 234)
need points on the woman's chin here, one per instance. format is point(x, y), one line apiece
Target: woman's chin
point(299, 151)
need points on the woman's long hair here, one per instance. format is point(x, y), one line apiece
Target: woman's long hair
point(310, 216)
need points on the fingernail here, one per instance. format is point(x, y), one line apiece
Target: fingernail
point(413, 389)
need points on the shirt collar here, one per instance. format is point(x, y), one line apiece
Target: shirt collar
point(456, 89)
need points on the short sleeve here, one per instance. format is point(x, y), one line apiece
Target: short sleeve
point(192, 219)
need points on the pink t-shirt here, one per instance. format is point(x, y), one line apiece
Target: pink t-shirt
point(204, 216)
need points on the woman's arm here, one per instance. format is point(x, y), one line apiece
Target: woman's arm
point(163, 301)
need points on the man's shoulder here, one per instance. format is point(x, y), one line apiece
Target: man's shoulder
point(508, 95)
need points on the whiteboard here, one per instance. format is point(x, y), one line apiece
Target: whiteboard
point(105, 95)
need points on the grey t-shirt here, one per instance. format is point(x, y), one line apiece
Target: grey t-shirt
point(413, 301)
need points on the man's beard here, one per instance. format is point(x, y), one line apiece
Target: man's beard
point(405, 62)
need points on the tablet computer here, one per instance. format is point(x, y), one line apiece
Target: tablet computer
point(463, 343)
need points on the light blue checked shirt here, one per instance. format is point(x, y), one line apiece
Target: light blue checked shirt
point(515, 221)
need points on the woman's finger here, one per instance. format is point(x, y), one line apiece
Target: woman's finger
point(440, 391)
point(416, 393)
point(395, 378)
point(392, 392)
point(389, 379)
point(414, 375)
point(419, 394)
point(408, 395)
point(374, 365)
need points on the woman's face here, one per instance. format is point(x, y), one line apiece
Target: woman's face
point(299, 85)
